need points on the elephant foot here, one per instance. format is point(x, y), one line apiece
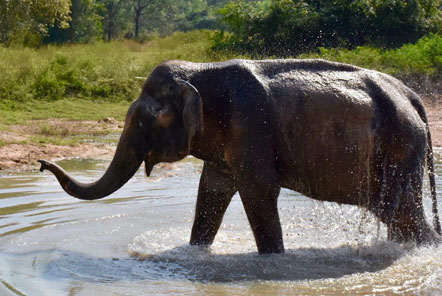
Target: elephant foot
point(201, 247)
point(429, 238)
point(422, 236)
point(200, 243)
point(273, 249)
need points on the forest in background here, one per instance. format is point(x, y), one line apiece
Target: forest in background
point(261, 28)
point(36, 22)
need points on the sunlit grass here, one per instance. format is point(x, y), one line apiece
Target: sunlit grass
point(17, 112)
point(29, 113)
point(106, 70)
point(54, 140)
point(417, 61)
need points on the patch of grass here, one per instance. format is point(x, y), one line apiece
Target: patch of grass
point(22, 113)
point(13, 112)
point(411, 61)
point(43, 140)
point(108, 71)
point(47, 130)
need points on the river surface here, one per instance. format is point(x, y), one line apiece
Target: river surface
point(135, 242)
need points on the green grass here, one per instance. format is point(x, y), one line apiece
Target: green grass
point(115, 71)
point(422, 60)
point(26, 113)
point(54, 140)
point(111, 71)
point(13, 112)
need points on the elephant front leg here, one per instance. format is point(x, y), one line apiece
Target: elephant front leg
point(215, 192)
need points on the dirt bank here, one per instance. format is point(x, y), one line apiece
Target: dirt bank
point(55, 139)
point(434, 114)
point(19, 154)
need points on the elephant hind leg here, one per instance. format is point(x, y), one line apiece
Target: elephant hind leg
point(399, 203)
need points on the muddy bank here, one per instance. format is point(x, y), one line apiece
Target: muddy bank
point(55, 139)
point(434, 114)
point(21, 155)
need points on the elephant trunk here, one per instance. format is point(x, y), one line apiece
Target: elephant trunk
point(124, 165)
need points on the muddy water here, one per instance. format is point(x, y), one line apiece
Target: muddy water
point(135, 243)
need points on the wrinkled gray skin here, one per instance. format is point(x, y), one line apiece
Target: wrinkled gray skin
point(333, 132)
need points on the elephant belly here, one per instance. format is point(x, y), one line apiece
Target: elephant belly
point(328, 150)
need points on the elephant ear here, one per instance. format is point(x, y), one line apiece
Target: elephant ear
point(192, 108)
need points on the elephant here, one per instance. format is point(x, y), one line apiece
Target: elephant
point(330, 131)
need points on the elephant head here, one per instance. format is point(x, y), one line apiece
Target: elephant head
point(159, 127)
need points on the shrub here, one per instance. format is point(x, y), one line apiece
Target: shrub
point(417, 61)
point(285, 28)
point(112, 71)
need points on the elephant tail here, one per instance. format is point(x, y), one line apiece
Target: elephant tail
point(430, 164)
point(417, 103)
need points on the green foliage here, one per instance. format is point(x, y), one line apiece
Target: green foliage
point(112, 71)
point(289, 27)
point(84, 26)
point(164, 17)
point(411, 61)
point(32, 23)
point(114, 14)
point(148, 15)
point(26, 21)
point(115, 71)
point(395, 22)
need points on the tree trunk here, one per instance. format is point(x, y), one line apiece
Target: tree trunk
point(137, 22)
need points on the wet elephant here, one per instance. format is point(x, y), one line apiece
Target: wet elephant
point(330, 131)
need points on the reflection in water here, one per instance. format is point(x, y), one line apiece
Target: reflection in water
point(135, 243)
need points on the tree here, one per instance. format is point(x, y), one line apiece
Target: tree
point(35, 17)
point(394, 22)
point(85, 24)
point(114, 17)
point(290, 27)
point(140, 7)
point(153, 13)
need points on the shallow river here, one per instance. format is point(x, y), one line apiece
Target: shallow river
point(135, 243)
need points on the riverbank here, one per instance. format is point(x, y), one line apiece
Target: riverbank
point(55, 139)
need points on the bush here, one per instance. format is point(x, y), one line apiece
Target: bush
point(419, 61)
point(289, 27)
point(111, 71)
